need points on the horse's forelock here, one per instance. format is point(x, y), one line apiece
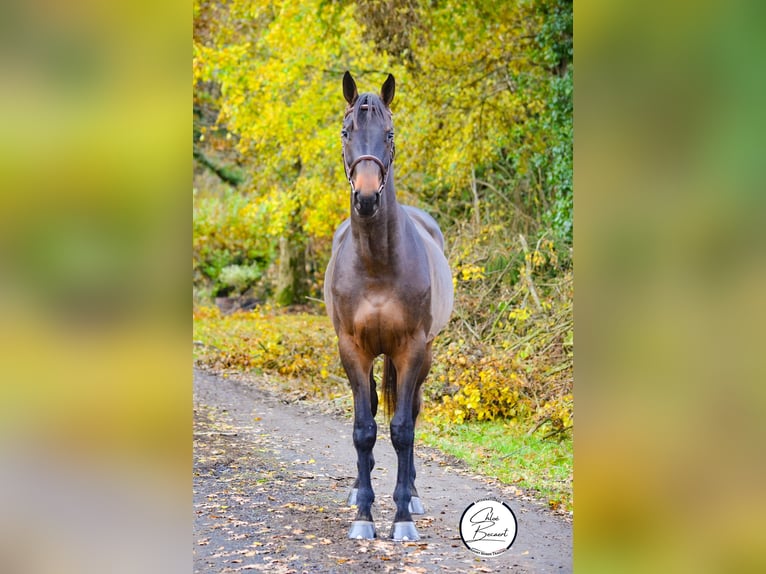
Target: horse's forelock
point(372, 104)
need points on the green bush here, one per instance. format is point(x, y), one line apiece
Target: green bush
point(239, 278)
point(229, 255)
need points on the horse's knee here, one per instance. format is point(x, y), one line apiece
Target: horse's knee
point(365, 435)
point(402, 434)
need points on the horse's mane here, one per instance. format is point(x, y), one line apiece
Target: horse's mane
point(372, 104)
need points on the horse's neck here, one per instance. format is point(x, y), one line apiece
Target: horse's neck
point(376, 241)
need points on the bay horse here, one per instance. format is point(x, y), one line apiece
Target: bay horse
point(388, 291)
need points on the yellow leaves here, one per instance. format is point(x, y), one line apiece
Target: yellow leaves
point(205, 312)
point(488, 388)
point(470, 272)
point(524, 366)
point(543, 254)
point(330, 204)
point(536, 258)
point(481, 85)
point(299, 346)
point(285, 108)
point(278, 66)
point(519, 315)
point(558, 412)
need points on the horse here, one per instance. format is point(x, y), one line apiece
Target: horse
point(388, 291)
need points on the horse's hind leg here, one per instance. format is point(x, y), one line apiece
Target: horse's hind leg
point(416, 504)
point(357, 368)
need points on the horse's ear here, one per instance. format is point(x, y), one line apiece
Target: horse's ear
point(349, 88)
point(387, 91)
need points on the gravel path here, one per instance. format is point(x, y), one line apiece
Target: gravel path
point(270, 485)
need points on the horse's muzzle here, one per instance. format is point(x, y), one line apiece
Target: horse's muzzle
point(367, 204)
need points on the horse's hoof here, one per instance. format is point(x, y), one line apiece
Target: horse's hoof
point(352, 497)
point(362, 530)
point(402, 531)
point(416, 507)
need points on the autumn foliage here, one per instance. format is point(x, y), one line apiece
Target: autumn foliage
point(483, 120)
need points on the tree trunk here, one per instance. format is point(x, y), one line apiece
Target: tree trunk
point(291, 274)
point(292, 279)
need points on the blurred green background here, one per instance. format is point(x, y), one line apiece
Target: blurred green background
point(669, 307)
point(95, 386)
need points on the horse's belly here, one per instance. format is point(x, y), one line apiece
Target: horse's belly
point(380, 326)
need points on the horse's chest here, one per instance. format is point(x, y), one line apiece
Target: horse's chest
point(381, 324)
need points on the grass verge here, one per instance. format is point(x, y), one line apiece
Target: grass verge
point(504, 450)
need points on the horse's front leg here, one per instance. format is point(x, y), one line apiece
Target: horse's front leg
point(374, 400)
point(358, 367)
point(408, 368)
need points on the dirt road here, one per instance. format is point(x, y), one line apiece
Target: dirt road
point(270, 486)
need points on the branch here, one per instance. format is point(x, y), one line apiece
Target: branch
point(337, 379)
point(538, 425)
point(476, 215)
point(225, 174)
point(528, 274)
point(505, 198)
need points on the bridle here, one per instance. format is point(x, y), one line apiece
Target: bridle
point(350, 168)
point(383, 168)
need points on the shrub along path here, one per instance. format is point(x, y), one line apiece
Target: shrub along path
point(270, 484)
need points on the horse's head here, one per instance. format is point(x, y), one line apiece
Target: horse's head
point(368, 144)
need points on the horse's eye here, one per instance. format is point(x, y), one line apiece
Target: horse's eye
point(390, 136)
point(344, 134)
